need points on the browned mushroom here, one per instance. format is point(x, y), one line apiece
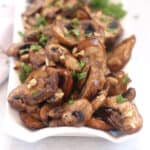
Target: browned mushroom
point(123, 116)
point(98, 123)
point(33, 8)
point(37, 58)
point(121, 54)
point(60, 54)
point(38, 87)
point(130, 94)
point(30, 121)
point(117, 82)
point(70, 32)
point(112, 28)
point(78, 113)
point(94, 56)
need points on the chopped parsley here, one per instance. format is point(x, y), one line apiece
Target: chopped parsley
point(125, 79)
point(24, 72)
point(111, 30)
point(35, 47)
point(43, 39)
point(120, 99)
point(109, 8)
point(75, 32)
point(71, 101)
point(75, 21)
point(40, 22)
point(21, 34)
point(35, 94)
point(79, 75)
point(82, 75)
point(81, 64)
point(23, 51)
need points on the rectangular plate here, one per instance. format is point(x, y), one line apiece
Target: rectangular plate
point(14, 127)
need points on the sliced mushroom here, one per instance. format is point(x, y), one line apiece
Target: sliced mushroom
point(94, 84)
point(44, 112)
point(98, 123)
point(39, 86)
point(121, 54)
point(123, 116)
point(94, 53)
point(56, 123)
point(56, 112)
point(15, 49)
point(37, 58)
point(70, 33)
point(130, 94)
point(30, 121)
point(112, 28)
point(33, 8)
point(78, 113)
point(117, 82)
point(60, 54)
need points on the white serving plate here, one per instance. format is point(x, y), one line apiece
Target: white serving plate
point(14, 127)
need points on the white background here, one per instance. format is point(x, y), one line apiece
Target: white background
point(137, 22)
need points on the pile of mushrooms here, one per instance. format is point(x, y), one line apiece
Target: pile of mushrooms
point(71, 68)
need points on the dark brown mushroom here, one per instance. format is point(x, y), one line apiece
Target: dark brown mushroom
point(117, 82)
point(30, 121)
point(98, 123)
point(122, 116)
point(121, 54)
point(70, 32)
point(78, 113)
point(59, 54)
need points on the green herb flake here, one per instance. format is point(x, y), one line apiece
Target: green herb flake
point(74, 73)
point(35, 94)
point(89, 34)
point(22, 51)
point(111, 30)
point(24, 71)
point(71, 101)
point(75, 21)
point(125, 79)
point(43, 39)
point(81, 75)
point(21, 34)
point(109, 8)
point(120, 99)
point(81, 64)
point(35, 47)
point(40, 21)
point(76, 32)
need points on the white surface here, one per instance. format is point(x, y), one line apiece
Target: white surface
point(141, 74)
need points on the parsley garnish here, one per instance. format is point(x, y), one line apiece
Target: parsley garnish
point(108, 8)
point(79, 75)
point(75, 32)
point(24, 72)
point(35, 47)
point(125, 79)
point(75, 21)
point(41, 21)
point(120, 99)
point(35, 94)
point(21, 34)
point(22, 51)
point(43, 39)
point(81, 64)
point(71, 101)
